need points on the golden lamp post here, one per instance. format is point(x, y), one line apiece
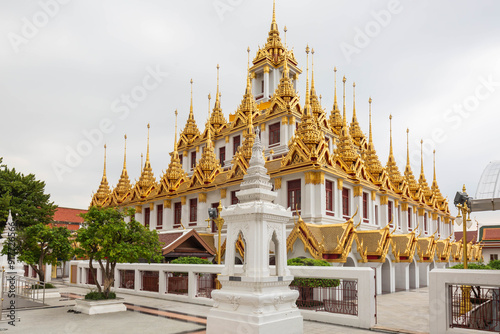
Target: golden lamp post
point(461, 202)
point(214, 215)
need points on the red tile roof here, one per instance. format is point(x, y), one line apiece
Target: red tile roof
point(68, 215)
point(491, 234)
point(471, 236)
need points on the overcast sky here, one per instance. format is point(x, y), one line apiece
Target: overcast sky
point(76, 74)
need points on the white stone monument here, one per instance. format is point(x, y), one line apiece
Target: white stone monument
point(13, 266)
point(256, 300)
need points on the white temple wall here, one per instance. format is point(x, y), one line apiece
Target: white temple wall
point(402, 274)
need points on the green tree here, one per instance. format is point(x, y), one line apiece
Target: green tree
point(24, 196)
point(108, 239)
point(40, 244)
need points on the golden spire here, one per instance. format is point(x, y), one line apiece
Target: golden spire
point(335, 117)
point(274, 25)
point(246, 147)
point(174, 171)
point(355, 129)
point(248, 106)
point(410, 178)
point(307, 106)
point(372, 161)
point(422, 181)
point(316, 109)
point(248, 60)
point(285, 30)
point(217, 119)
point(147, 178)
point(124, 182)
point(190, 130)
point(103, 192)
point(209, 97)
point(434, 164)
point(435, 187)
point(345, 148)
point(142, 162)
point(392, 168)
point(285, 88)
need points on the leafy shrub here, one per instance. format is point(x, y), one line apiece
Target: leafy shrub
point(307, 262)
point(495, 264)
point(190, 260)
point(472, 266)
point(312, 282)
point(47, 286)
point(94, 295)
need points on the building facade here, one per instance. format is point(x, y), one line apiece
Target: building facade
point(349, 208)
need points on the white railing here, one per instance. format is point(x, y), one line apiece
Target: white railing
point(442, 301)
point(168, 283)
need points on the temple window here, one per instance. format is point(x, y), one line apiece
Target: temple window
point(177, 214)
point(294, 195)
point(159, 216)
point(365, 208)
point(193, 210)
point(425, 222)
point(234, 198)
point(274, 134)
point(147, 214)
point(193, 160)
point(409, 220)
point(346, 212)
point(222, 155)
point(329, 197)
point(236, 144)
point(390, 216)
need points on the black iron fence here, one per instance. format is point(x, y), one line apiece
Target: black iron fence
point(206, 284)
point(127, 279)
point(342, 298)
point(475, 307)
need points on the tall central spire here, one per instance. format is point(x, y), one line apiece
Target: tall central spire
point(355, 129)
point(335, 117)
point(410, 178)
point(274, 25)
point(392, 168)
point(372, 161)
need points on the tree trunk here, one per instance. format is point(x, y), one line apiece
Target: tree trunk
point(91, 266)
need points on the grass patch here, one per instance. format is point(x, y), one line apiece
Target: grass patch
point(94, 295)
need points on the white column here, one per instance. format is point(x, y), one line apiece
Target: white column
point(383, 214)
point(152, 218)
point(266, 84)
point(404, 218)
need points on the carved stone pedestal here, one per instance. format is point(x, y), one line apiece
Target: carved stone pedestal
point(248, 306)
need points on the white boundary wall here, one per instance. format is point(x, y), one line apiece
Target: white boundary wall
point(439, 298)
point(364, 276)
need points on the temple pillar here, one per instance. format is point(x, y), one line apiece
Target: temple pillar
point(404, 217)
point(266, 84)
point(383, 211)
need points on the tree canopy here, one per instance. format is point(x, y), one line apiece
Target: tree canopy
point(108, 239)
point(25, 196)
point(40, 244)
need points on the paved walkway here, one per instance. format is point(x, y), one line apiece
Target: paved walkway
point(402, 312)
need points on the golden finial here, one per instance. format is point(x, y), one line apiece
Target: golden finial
point(312, 69)
point(248, 59)
point(285, 30)
point(353, 101)
point(308, 98)
point(320, 98)
point(147, 151)
point(191, 107)
point(104, 173)
point(175, 142)
point(209, 97)
point(434, 163)
point(407, 147)
point(142, 161)
point(463, 189)
point(125, 154)
point(370, 108)
point(344, 80)
point(390, 134)
point(422, 156)
point(335, 86)
point(274, 11)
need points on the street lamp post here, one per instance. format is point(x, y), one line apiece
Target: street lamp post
point(219, 222)
point(461, 200)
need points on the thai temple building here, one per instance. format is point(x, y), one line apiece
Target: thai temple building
point(350, 208)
